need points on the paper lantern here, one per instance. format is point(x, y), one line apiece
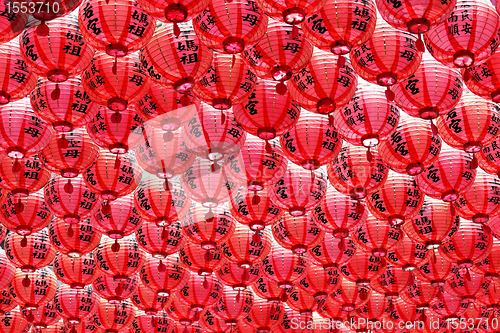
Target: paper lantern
point(75, 305)
point(170, 278)
point(408, 254)
point(332, 252)
point(119, 261)
point(419, 293)
point(210, 323)
point(238, 278)
point(31, 252)
point(6, 301)
point(200, 261)
point(264, 315)
point(349, 296)
point(488, 266)
point(437, 270)
point(374, 307)
point(200, 292)
point(303, 302)
point(297, 233)
point(467, 285)
point(482, 78)
point(181, 313)
point(11, 24)
point(122, 219)
point(34, 289)
point(148, 300)
point(160, 241)
point(244, 250)
point(363, 268)
point(319, 282)
point(43, 317)
point(269, 290)
point(145, 322)
point(487, 158)
point(448, 307)
point(115, 291)
point(377, 237)
point(115, 317)
point(291, 12)
point(392, 282)
point(13, 322)
point(284, 267)
point(74, 240)
point(75, 272)
point(7, 271)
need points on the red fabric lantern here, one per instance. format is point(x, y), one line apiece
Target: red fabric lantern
point(21, 79)
point(115, 291)
point(449, 176)
point(303, 302)
point(120, 220)
point(25, 215)
point(115, 317)
point(330, 310)
point(11, 25)
point(319, 282)
point(419, 293)
point(482, 78)
point(75, 305)
point(377, 237)
point(116, 91)
point(6, 301)
point(30, 253)
point(181, 313)
point(238, 278)
point(363, 268)
point(468, 286)
point(200, 292)
point(176, 59)
point(284, 267)
point(33, 289)
point(14, 322)
point(392, 283)
point(437, 270)
point(266, 288)
point(352, 173)
point(325, 84)
point(244, 249)
point(405, 312)
point(113, 176)
point(332, 251)
point(448, 307)
point(74, 240)
point(173, 11)
point(119, 261)
point(7, 271)
point(75, 272)
point(349, 296)
point(487, 158)
point(411, 148)
point(144, 322)
point(491, 298)
point(200, 261)
point(291, 322)
point(212, 324)
point(170, 278)
point(489, 266)
point(264, 315)
point(160, 241)
point(291, 12)
point(43, 317)
point(235, 79)
point(148, 300)
point(408, 254)
point(464, 50)
point(341, 25)
point(374, 308)
point(297, 233)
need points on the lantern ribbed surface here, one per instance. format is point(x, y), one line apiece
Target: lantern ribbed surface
point(75, 272)
point(467, 285)
point(121, 220)
point(11, 25)
point(419, 293)
point(148, 300)
point(37, 253)
point(349, 296)
point(75, 305)
point(266, 288)
point(160, 241)
point(437, 270)
point(173, 11)
point(260, 315)
point(483, 78)
point(44, 316)
point(230, 274)
point(115, 318)
point(74, 240)
point(34, 289)
point(408, 255)
point(489, 265)
point(119, 261)
point(392, 282)
point(297, 233)
point(174, 277)
point(285, 267)
point(7, 271)
point(115, 291)
point(363, 267)
point(242, 250)
point(319, 282)
point(332, 252)
point(200, 292)
point(488, 158)
point(23, 176)
point(200, 261)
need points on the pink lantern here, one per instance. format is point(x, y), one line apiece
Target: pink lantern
point(332, 252)
point(173, 275)
point(285, 267)
point(115, 291)
point(31, 252)
point(121, 218)
point(297, 233)
point(74, 240)
point(160, 241)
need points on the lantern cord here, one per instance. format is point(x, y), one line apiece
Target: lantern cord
point(116, 246)
point(453, 211)
point(467, 274)
point(117, 162)
point(166, 185)
point(161, 267)
point(434, 257)
point(434, 128)
point(233, 60)
point(369, 155)
point(113, 69)
point(222, 117)
point(420, 44)
point(256, 237)
point(244, 275)
point(268, 147)
point(205, 283)
point(177, 30)
point(313, 176)
point(70, 232)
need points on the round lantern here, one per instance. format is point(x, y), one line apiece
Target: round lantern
point(7, 271)
point(31, 252)
point(148, 300)
point(266, 288)
point(419, 293)
point(75, 305)
point(121, 219)
point(488, 158)
point(491, 298)
point(408, 254)
point(25, 215)
point(182, 313)
point(173, 11)
point(437, 270)
point(340, 25)
point(118, 84)
point(244, 250)
point(34, 289)
point(468, 37)
point(6, 300)
point(238, 278)
point(14, 322)
point(303, 302)
point(489, 265)
point(319, 282)
point(164, 276)
point(212, 324)
point(297, 233)
point(11, 24)
point(115, 291)
point(200, 261)
point(363, 268)
point(353, 173)
point(332, 252)
point(74, 240)
point(115, 317)
point(392, 282)
point(75, 272)
point(233, 306)
point(145, 322)
point(468, 286)
point(374, 307)
point(160, 241)
point(43, 317)
point(449, 176)
point(349, 296)
point(482, 78)
point(448, 307)
point(377, 237)
point(284, 267)
point(411, 148)
point(21, 79)
point(264, 315)
point(119, 261)
point(291, 12)
point(200, 292)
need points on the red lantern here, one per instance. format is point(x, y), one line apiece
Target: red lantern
point(264, 315)
point(419, 293)
point(487, 158)
point(291, 12)
point(148, 300)
point(212, 324)
point(238, 278)
point(266, 288)
point(468, 286)
point(7, 271)
point(30, 253)
point(25, 215)
point(482, 78)
point(173, 11)
point(33, 289)
point(392, 283)
point(406, 312)
point(160, 241)
point(235, 79)
point(14, 322)
point(75, 305)
point(449, 176)
point(181, 313)
point(363, 268)
point(319, 282)
point(352, 173)
point(60, 54)
point(377, 237)
point(115, 291)
point(297, 233)
point(200, 261)
point(43, 317)
point(437, 270)
point(119, 261)
point(164, 277)
point(200, 292)
point(74, 240)
point(491, 298)
point(11, 25)
point(120, 220)
point(325, 84)
point(349, 296)
point(118, 84)
point(303, 302)
point(233, 306)
point(75, 272)
point(408, 254)
point(284, 267)
point(448, 307)
point(340, 25)
point(115, 317)
point(489, 266)
point(332, 252)
point(374, 308)
point(18, 80)
point(466, 49)
point(144, 322)
point(411, 148)
point(246, 250)
point(6, 301)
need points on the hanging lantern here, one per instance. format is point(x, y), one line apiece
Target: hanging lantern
point(284, 267)
point(482, 78)
point(74, 240)
point(449, 176)
point(289, 322)
point(14, 322)
point(238, 278)
point(43, 317)
point(121, 219)
point(419, 293)
point(354, 174)
point(363, 268)
point(200, 292)
point(145, 322)
point(75, 305)
point(377, 237)
point(437, 270)
point(291, 12)
point(488, 158)
point(21, 79)
point(303, 302)
point(173, 11)
point(491, 299)
point(31, 252)
point(448, 307)
point(374, 308)
point(319, 282)
point(210, 323)
point(411, 148)
point(269, 290)
point(349, 296)
point(200, 261)
point(406, 312)
point(7, 271)
point(332, 252)
point(75, 272)
point(468, 286)
point(489, 265)
point(264, 315)
point(408, 254)
point(164, 276)
point(33, 289)
point(6, 301)
point(148, 300)
point(392, 282)
point(160, 242)
point(479, 24)
point(297, 233)
point(115, 291)
point(329, 310)
point(181, 313)
point(119, 259)
point(114, 318)
point(25, 216)
point(246, 250)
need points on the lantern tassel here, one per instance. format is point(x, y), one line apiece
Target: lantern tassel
point(281, 87)
point(238, 296)
point(342, 244)
point(26, 281)
point(223, 117)
point(268, 147)
point(117, 162)
point(434, 128)
point(466, 76)
point(340, 62)
point(439, 294)
point(73, 330)
point(168, 136)
point(205, 283)
point(369, 155)
point(420, 44)
point(256, 237)
point(113, 69)
point(43, 29)
point(161, 267)
point(209, 215)
point(467, 274)
point(16, 167)
point(423, 317)
point(30, 317)
point(116, 246)
point(453, 211)
point(244, 275)
point(153, 321)
point(208, 256)
point(434, 257)
point(119, 289)
point(24, 242)
point(68, 187)
point(295, 31)
point(166, 185)
point(177, 30)
point(19, 207)
point(233, 60)
point(391, 306)
point(284, 296)
point(363, 294)
point(389, 94)
point(474, 163)
point(164, 233)
point(185, 101)
point(62, 142)
point(71, 232)
point(255, 198)
point(116, 311)
point(106, 208)
point(359, 207)
point(330, 120)
point(55, 93)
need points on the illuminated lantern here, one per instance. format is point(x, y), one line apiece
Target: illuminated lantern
point(238, 278)
point(468, 286)
point(332, 252)
point(325, 84)
point(60, 54)
point(449, 176)
point(43, 317)
point(408, 254)
point(170, 278)
point(388, 57)
point(299, 190)
point(411, 148)
point(266, 288)
point(312, 142)
point(338, 213)
point(73, 202)
point(176, 59)
point(121, 220)
point(200, 292)
point(284, 267)
point(244, 249)
point(119, 261)
point(264, 315)
point(363, 268)
point(392, 282)
point(115, 85)
point(74, 240)
point(374, 307)
point(377, 237)
point(419, 293)
point(437, 270)
point(297, 233)
point(398, 199)
point(115, 318)
point(448, 46)
point(200, 261)
point(482, 78)
point(340, 25)
point(75, 272)
point(488, 158)
point(319, 282)
point(21, 79)
point(160, 241)
point(349, 296)
point(148, 300)
point(449, 307)
point(265, 113)
point(115, 291)
point(235, 79)
point(232, 306)
point(33, 289)
point(75, 305)
point(113, 176)
point(489, 266)
point(353, 174)
point(7, 271)
point(22, 133)
point(155, 204)
point(6, 301)
point(14, 322)
point(25, 215)
point(31, 252)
